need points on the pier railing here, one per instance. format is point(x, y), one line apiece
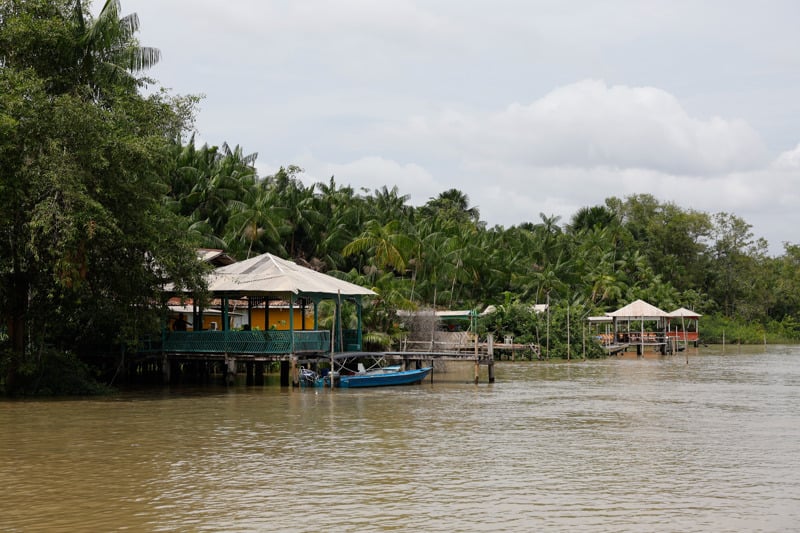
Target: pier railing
point(244, 342)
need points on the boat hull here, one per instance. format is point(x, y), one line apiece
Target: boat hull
point(385, 379)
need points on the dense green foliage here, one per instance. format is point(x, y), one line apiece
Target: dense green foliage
point(102, 201)
point(86, 238)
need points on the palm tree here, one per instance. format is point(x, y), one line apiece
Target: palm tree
point(389, 204)
point(453, 202)
point(342, 213)
point(297, 205)
point(591, 217)
point(388, 247)
point(253, 220)
point(109, 53)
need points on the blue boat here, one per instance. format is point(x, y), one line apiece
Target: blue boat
point(382, 377)
point(385, 378)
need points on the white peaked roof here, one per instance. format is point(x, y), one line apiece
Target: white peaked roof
point(685, 313)
point(638, 310)
point(269, 274)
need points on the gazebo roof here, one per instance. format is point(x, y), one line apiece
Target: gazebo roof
point(268, 274)
point(639, 310)
point(685, 313)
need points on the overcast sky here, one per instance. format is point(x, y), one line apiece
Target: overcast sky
point(527, 106)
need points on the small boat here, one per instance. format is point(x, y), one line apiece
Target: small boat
point(385, 377)
point(380, 377)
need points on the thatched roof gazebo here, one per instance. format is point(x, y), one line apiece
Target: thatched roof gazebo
point(266, 278)
point(268, 274)
point(640, 311)
point(686, 315)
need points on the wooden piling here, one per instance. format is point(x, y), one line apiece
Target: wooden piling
point(259, 374)
point(230, 371)
point(284, 373)
point(294, 375)
point(165, 369)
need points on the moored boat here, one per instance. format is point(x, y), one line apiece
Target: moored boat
point(383, 378)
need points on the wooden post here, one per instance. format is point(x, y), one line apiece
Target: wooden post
point(568, 346)
point(490, 352)
point(230, 371)
point(284, 373)
point(295, 379)
point(687, 353)
point(547, 335)
point(165, 369)
point(583, 332)
point(251, 370)
point(491, 370)
point(258, 379)
point(332, 373)
point(641, 339)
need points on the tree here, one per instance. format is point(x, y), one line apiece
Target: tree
point(109, 55)
point(387, 247)
point(253, 221)
point(296, 203)
point(453, 204)
point(736, 261)
point(85, 231)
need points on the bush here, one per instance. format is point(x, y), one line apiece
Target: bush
point(53, 373)
point(528, 327)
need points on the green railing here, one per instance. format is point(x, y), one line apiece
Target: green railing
point(351, 342)
point(246, 342)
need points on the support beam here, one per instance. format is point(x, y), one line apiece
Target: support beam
point(258, 379)
point(165, 369)
point(284, 373)
point(251, 368)
point(230, 371)
point(294, 375)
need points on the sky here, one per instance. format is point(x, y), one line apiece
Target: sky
point(527, 106)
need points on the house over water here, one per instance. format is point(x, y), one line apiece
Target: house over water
point(246, 290)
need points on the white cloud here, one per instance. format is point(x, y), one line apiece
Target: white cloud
point(575, 147)
point(788, 161)
point(502, 99)
point(590, 124)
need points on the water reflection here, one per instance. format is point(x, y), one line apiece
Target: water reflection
point(613, 445)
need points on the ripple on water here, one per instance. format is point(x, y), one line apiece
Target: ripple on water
point(614, 445)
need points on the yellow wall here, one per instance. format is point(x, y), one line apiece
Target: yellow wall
point(279, 319)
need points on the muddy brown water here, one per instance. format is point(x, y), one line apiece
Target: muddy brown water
point(623, 444)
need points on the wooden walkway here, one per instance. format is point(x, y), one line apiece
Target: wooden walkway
point(197, 356)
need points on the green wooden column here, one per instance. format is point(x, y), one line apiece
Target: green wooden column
point(358, 313)
point(337, 326)
point(291, 323)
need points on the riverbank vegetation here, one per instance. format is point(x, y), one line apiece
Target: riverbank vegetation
point(104, 196)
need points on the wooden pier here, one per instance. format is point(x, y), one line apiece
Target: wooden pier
point(199, 357)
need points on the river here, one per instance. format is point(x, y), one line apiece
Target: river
point(652, 444)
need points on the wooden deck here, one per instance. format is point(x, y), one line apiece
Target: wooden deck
point(199, 354)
